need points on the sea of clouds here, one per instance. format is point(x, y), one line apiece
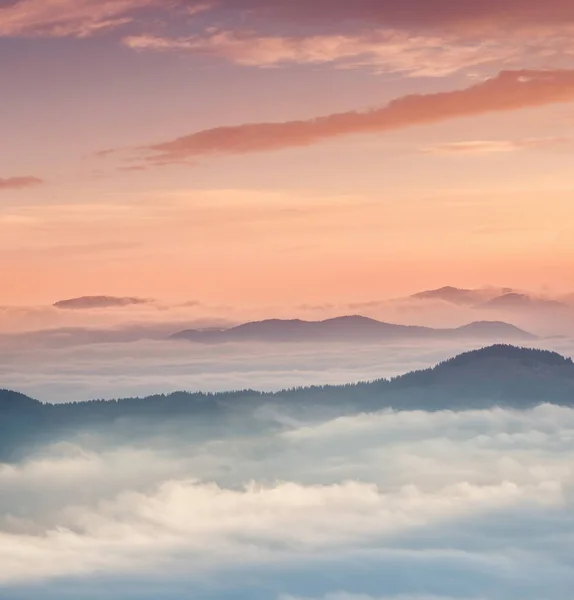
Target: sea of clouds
point(393, 505)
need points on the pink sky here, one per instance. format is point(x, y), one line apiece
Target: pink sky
point(251, 153)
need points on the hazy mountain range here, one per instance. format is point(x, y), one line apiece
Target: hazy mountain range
point(494, 298)
point(351, 329)
point(425, 315)
point(461, 296)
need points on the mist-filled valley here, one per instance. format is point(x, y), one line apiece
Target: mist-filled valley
point(341, 458)
point(109, 347)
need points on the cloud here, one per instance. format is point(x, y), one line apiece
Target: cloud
point(385, 50)
point(80, 18)
point(80, 364)
point(395, 50)
point(493, 146)
point(207, 524)
point(510, 90)
point(77, 18)
point(425, 37)
point(91, 302)
point(414, 487)
point(17, 183)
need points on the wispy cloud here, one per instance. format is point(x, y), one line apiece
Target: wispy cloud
point(510, 90)
point(16, 183)
point(493, 146)
point(416, 53)
point(76, 18)
point(91, 302)
point(385, 50)
point(414, 18)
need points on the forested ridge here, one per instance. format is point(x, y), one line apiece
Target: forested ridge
point(499, 375)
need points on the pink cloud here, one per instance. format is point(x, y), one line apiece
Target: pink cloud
point(15, 183)
point(510, 90)
point(382, 50)
point(84, 17)
point(496, 146)
point(100, 302)
point(428, 54)
point(78, 18)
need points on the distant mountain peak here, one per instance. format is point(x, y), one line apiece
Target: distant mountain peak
point(460, 296)
point(355, 328)
point(352, 318)
point(520, 301)
point(445, 291)
point(493, 327)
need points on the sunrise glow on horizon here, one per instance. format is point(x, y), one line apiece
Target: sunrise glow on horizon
point(272, 153)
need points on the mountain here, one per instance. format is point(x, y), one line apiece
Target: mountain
point(348, 329)
point(460, 296)
point(15, 402)
point(498, 375)
point(518, 302)
point(492, 329)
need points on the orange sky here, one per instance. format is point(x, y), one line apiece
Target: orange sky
point(279, 153)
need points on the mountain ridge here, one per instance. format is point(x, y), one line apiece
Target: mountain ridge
point(517, 301)
point(530, 358)
point(347, 328)
point(495, 376)
point(460, 296)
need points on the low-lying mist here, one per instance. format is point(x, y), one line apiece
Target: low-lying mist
point(106, 370)
point(471, 504)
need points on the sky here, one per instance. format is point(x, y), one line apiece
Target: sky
point(276, 153)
